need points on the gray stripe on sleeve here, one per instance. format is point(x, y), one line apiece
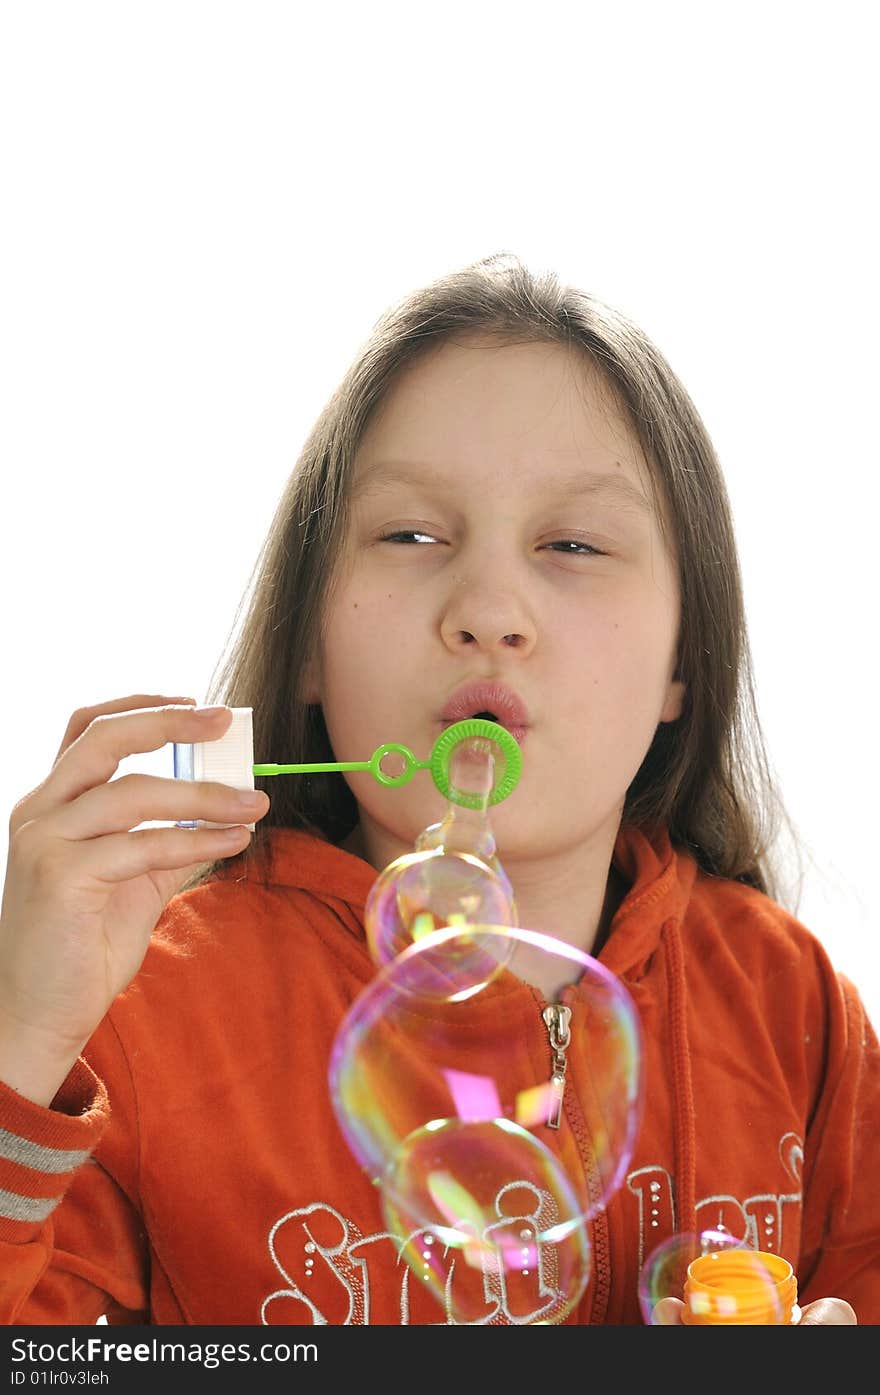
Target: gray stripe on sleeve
point(35, 1155)
point(26, 1208)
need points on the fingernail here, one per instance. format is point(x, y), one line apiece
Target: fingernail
point(210, 711)
point(252, 799)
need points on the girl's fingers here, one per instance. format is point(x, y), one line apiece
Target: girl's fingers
point(667, 1313)
point(122, 856)
point(121, 804)
point(94, 756)
point(828, 1312)
point(84, 715)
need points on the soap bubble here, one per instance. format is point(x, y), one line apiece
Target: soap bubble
point(517, 1253)
point(664, 1272)
point(425, 891)
point(442, 1083)
point(720, 1279)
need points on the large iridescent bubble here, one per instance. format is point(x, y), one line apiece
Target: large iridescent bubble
point(446, 1085)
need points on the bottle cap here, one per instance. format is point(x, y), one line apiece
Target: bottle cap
point(739, 1286)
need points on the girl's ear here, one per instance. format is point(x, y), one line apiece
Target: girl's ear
point(674, 701)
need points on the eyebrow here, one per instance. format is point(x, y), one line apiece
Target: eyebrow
point(599, 483)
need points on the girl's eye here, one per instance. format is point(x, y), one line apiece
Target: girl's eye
point(407, 535)
point(573, 548)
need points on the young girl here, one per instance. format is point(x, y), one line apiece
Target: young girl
point(509, 507)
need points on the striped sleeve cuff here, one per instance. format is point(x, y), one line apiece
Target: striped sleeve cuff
point(41, 1149)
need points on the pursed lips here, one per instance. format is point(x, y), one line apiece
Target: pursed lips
point(490, 700)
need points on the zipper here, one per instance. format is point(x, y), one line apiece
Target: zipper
point(557, 1018)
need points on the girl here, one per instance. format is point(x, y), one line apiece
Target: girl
point(510, 506)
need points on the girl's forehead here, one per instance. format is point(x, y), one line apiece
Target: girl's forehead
point(457, 375)
point(473, 403)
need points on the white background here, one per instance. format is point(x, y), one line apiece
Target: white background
point(206, 206)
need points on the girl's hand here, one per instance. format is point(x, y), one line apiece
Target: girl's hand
point(824, 1312)
point(83, 891)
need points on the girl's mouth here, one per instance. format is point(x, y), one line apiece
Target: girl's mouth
point(490, 699)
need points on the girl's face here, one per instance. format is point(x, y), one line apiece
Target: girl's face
point(502, 529)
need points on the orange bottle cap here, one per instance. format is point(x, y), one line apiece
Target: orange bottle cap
point(739, 1286)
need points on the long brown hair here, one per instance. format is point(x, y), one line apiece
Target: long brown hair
point(705, 775)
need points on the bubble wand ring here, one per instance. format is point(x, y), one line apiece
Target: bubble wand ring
point(438, 763)
point(463, 731)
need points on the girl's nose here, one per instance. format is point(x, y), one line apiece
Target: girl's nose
point(489, 618)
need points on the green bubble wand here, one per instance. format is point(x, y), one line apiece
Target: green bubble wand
point(437, 763)
point(230, 761)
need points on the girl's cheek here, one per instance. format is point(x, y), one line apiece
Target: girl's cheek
point(399, 602)
point(379, 616)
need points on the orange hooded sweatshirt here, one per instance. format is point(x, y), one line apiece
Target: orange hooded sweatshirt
point(192, 1170)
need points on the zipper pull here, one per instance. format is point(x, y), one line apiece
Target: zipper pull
point(557, 1017)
